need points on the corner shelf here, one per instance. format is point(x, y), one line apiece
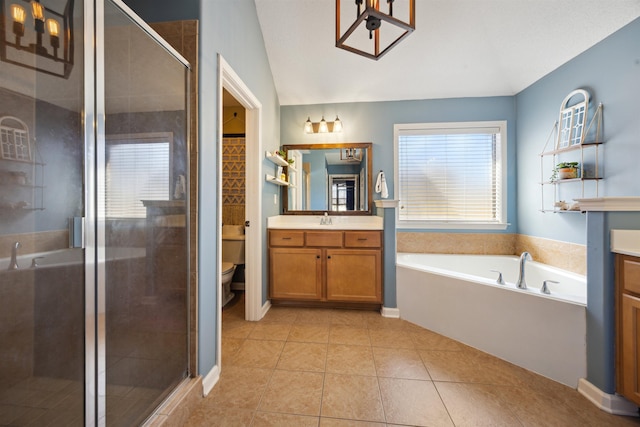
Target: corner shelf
point(568, 135)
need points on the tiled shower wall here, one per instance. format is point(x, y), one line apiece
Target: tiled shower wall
point(568, 256)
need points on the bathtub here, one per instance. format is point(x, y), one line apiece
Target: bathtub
point(457, 296)
point(66, 257)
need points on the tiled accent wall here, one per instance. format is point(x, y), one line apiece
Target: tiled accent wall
point(568, 256)
point(233, 180)
point(34, 242)
point(456, 243)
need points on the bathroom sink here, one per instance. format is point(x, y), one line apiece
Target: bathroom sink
point(314, 222)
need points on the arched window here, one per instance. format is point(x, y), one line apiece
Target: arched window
point(14, 138)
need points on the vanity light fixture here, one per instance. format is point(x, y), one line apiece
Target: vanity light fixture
point(351, 154)
point(28, 31)
point(395, 30)
point(323, 126)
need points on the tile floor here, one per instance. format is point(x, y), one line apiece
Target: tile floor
point(321, 367)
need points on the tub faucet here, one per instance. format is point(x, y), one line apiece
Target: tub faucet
point(521, 283)
point(13, 264)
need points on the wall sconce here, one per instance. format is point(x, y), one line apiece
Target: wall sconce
point(323, 126)
point(22, 36)
point(395, 30)
point(351, 154)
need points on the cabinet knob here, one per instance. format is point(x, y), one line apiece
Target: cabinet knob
point(329, 257)
point(317, 256)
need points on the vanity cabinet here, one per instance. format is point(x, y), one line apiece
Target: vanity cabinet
point(628, 326)
point(335, 266)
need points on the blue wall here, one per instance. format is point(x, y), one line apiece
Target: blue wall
point(610, 71)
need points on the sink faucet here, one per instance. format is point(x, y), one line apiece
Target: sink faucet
point(13, 264)
point(521, 283)
point(326, 219)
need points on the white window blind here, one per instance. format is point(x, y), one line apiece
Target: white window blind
point(450, 173)
point(137, 169)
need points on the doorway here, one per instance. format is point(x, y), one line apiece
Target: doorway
point(231, 82)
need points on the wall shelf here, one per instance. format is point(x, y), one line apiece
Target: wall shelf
point(276, 159)
point(568, 144)
point(272, 179)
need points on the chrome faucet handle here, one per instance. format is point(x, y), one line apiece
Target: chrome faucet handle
point(34, 261)
point(499, 280)
point(545, 289)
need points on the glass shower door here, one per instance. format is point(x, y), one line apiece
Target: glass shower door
point(42, 280)
point(142, 236)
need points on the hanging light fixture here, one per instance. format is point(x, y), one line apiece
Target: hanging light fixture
point(28, 31)
point(323, 126)
point(373, 39)
point(351, 154)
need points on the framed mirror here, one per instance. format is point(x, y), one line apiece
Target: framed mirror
point(333, 178)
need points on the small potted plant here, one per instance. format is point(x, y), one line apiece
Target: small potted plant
point(566, 170)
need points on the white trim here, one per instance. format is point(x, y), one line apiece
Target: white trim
point(393, 313)
point(495, 126)
point(611, 403)
point(265, 308)
point(610, 204)
point(210, 380)
point(230, 81)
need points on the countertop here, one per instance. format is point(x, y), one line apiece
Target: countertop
point(313, 222)
point(626, 242)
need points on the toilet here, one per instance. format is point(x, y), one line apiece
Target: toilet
point(232, 256)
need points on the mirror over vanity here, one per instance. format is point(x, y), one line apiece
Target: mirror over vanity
point(334, 178)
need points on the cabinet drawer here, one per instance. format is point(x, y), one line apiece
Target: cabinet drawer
point(331, 239)
point(290, 238)
point(631, 274)
point(362, 239)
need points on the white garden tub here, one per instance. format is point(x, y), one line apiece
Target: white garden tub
point(457, 296)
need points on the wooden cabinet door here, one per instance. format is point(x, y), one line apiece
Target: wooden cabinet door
point(295, 273)
point(354, 275)
point(630, 348)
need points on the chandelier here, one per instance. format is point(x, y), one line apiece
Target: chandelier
point(24, 25)
point(368, 36)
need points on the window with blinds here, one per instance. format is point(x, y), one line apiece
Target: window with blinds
point(450, 174)
point(138, 168)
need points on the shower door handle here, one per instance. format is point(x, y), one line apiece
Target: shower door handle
point(76, 232)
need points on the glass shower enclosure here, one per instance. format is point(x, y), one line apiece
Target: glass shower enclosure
point(94, 247)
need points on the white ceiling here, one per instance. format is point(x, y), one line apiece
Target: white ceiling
point(460, 48)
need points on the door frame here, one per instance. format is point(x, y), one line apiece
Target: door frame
point(229, 80)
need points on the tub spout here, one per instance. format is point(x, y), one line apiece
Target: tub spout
point(524, 257)
point(13, 264)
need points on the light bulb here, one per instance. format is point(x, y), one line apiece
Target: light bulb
point(18, 13)
point(308, 126)
point(54, 27)
point(323, 128)
point(37, 10)
point(337, 125)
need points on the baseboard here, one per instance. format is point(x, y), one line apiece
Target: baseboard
point(265, 308)
point(210, 380)
point(611, 403)
point(390, 312)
